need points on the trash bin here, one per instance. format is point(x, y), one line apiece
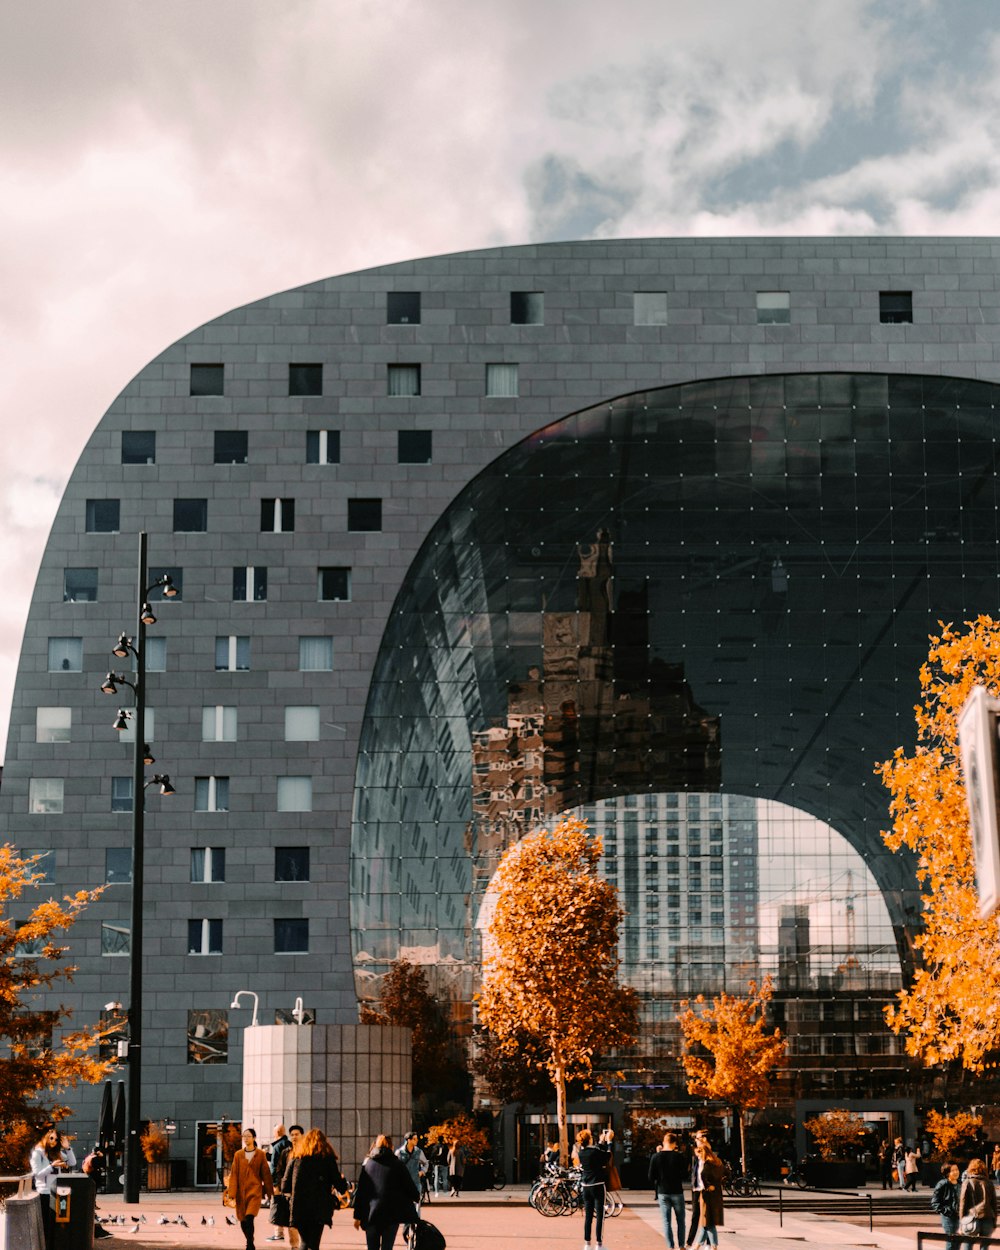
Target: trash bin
point(72, 1204)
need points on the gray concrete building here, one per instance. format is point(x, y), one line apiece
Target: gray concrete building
point(468, 541)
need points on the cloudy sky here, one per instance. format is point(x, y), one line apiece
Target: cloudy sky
point(165, 160)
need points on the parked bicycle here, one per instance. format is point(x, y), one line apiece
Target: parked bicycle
point(560, 1192)
point(792, 1174)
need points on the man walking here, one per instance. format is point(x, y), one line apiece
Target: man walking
point(279, 1148)
point(666, 1172)
point(415, 1162)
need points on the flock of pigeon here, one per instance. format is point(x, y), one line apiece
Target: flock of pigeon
point(136, 1220)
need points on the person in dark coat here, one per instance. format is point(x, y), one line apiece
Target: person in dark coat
point(385, 1196)
point(944, 1200)
point(309, 1179)
point(708, 1193)
point(595, 1159)
point(977, 1198)
point(666, 1172)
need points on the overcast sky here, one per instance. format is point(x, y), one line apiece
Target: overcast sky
point(164, 161)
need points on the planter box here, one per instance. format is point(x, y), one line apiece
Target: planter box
point(835, 1175)
point(158, 1177)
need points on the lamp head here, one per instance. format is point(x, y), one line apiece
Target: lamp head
point(169, 589)
point(122, 647)
point(146, 615)
point(108, 685)
point(121, 720)
point(163, 780)
point(147, 754)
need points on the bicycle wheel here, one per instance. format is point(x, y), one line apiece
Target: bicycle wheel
point(753, 1187)
point(533, 1192)
point(550, 1200)
point(573, 1199)
point(617, 1206)
point(801, 1181)
point(499, 1180)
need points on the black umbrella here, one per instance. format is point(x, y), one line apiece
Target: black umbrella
point(119, 1135)
point(106, 1124)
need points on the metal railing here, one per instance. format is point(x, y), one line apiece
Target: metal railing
point(833, 1193)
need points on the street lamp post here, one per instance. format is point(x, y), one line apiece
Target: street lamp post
point(136, 647)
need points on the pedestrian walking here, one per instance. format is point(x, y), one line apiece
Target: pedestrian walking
point(995, 1163)
point(944, 1200)
point(249, 1180)
point(708, 1190)
point(310, 1180)
point(51, 1156)
point(278, 1152)
point(977, 1204)
point(595, 1159)
point(911, 1170)
point(385, 1196)
point(415, 1162)
point(456, 1167)
point(666, 1172)
point(899, 1161)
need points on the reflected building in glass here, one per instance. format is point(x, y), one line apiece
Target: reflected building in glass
point(654, 531)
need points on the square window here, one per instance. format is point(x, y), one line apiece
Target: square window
point(333, 583)
point(774, 308)
point(649, 308)
point(250, 583)
point(157, 573)
point(232, 653)
point(404, 380)
point(115, 939)
point(295, 794)
point(44, 867)
point(527, 308)
point(305, 379)
point(103, 516)
point(208, 379)
point(218, 724)
point(231, 446)
point(315, 654)
point(208, 1036)
point(118, 865)
point(301, 724)
point(79, 585)
point(414, 446)
point(190, 516)
point(291, 937)
point(208, 864)
point(52, 724)
point(291, 863)
point(895, 306)
point(121, 794)
point(156, 655)
point(138, 447)
point(211, 794)
point(364, 515)
point(322, 447)
point(502, 381)
point(277, 516)
point(45, 796)
point(402, 308)
point(65, 655)
point(204, 937)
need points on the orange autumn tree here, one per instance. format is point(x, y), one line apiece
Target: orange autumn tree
point(551, 957)
point(948, 1011)
point(952, 1134)
point(835, 1133)
point(729, 1055)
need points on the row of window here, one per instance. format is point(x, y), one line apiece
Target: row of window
point(322, 446)
point(402, 379)
point(291, 937)
point(333, 582)
point(218, 724)
point(277, 516)
point(65, 654)
point(47, 795)
point(208, 864)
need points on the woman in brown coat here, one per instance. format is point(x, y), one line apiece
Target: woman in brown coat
point(708, 1195)
point(249, 1180)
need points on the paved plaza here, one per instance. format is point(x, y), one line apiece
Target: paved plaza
point(494, 1221)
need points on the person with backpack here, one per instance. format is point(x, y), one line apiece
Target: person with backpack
point(944, 1200)
point(977, 1204)
point(279, 1149)
point(385, 1196)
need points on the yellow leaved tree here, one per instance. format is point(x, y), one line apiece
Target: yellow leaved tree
point(550, 965)
point(952, 1134)
point(949, 1011)
point(729, 1054)
point(837, 1133)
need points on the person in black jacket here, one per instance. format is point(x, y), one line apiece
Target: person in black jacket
point(666, 1172)
point(385, 1196)
point(309, 1179)
point(594, 1162)
point(944, 1200)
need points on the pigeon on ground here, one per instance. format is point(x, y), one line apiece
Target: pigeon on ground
point(163, 1220)
point(211, 1221)
point(203, 1220)
point(230, 1220)
point(182, 1221)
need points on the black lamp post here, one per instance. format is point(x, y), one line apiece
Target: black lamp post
point(136, 647)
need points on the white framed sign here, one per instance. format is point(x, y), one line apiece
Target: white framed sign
point(977, 738)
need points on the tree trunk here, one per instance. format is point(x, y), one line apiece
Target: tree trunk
point(559, 1081)
point(743, 1138)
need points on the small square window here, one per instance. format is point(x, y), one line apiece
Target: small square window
point(208, 864)
point(649, 308)
point(208, 379)
point(527, 308)
point(364, 515)
point(52, 724)
point(402, 307)
point(204, 937)
point(138, 447)
point(45, 796)
point(404, 380)
point(211, 794)
point(79, 585)
point(305, 379)
point(333, 583)
point(291, 863)
point(218, 724)
point(156, 575)
point(121, 794)
point(103, 516)
point(190, 516)
point(774, 308)
point(250, 583)
point(502, 381)
point(232, 653)
point(118, 865)
point(231, 446)
point(322, 447)
point(301, 724)
point(277, 516)
point(895, 306)
point(295, 794)
point(44, 867)
point(115, 939)
point(315, 654)
point(65, 655)
point(291, 937)
point(156, 655)
point(208, 1036)
point(414, 446)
